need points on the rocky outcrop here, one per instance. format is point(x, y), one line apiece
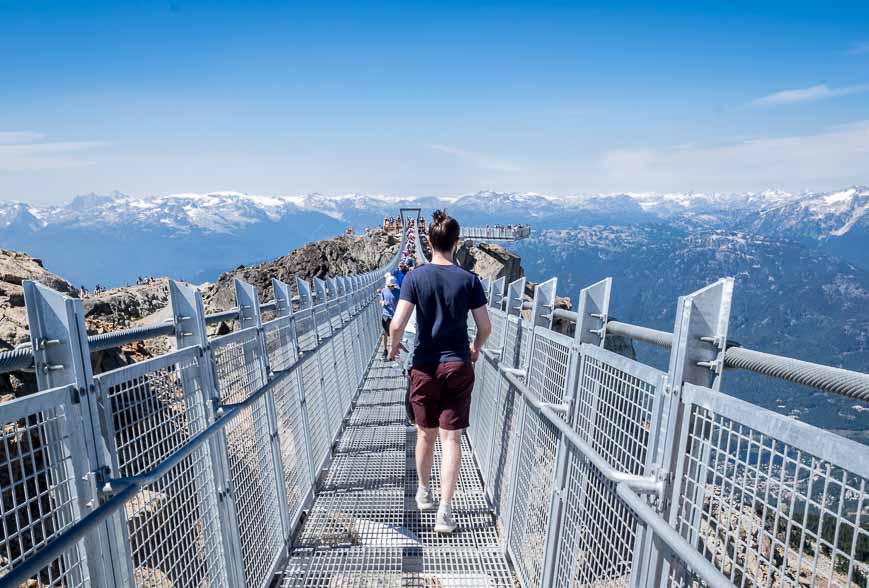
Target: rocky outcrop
point(342, 255)
point(488, 260)
point(123, 307)
point(15, 267)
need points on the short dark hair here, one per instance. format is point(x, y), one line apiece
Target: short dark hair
point(443, 232)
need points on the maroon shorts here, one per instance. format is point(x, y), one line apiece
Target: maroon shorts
point(440, 395)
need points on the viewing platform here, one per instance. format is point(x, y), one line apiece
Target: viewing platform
point(496, 233)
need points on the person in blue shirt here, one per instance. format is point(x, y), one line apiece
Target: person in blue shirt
point(442, 376)
point(388, 299)
point(399, 274)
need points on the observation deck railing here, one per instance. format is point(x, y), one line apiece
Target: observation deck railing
point(497, 233)
point(195, 467)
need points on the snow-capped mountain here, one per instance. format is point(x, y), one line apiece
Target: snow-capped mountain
point(237, 227)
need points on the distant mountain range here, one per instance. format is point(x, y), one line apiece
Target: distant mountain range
point(111, 239)
point(788, 299)
point(801, 261)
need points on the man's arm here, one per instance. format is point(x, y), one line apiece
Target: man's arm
point(484, 329)
point(396, 328)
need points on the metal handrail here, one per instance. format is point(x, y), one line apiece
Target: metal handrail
point(21, 358)
point(844, 382)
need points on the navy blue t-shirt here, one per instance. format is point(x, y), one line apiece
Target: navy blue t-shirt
point(443, 295)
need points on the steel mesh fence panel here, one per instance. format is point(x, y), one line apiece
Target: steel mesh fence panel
point(547, 379)
point(506, 435)
point(768, 500)
point(486, 415)
point(473, 431)
point(345, 368)
point(294, 453)
point(615, 401)
point(306, 333)
point(512, 340)
point(358, 344)
point(525, 337)
point(318, 422)
point(598, 531)
point(280, 346)
point(533, 488)
point(151, 410)
point(549, 366)
point(499, 478)
point(334, 313)
point(498, 319)
point(239, 373)
point(254, 490)
point(331, 393)
point(38, 495)
point(323, 320)
point(238, 365)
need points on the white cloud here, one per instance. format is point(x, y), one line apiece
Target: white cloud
point(818, 92)
point(476, 159)
point(7, 137)
point(859, 49)
point(26, 151)
point(833, 156)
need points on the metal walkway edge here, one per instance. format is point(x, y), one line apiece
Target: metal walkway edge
point(364, 529)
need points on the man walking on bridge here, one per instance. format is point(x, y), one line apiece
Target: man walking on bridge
point(442, 375)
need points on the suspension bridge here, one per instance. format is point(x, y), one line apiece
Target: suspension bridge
point(278, 454)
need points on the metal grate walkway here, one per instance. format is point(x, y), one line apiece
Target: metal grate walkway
point(364, 529)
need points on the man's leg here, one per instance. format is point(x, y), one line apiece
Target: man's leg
point(385, 324)
point(425, 444)
point(457, 379)
point(451, 461)
point(423, 400)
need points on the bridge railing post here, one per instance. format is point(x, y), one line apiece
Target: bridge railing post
point(496, 296)
point(696, 357)
point(188, 315)
point(283, 299)
point(541, 315)
point(75, 446)
point(513, 307)
point(591, 317)
point(250, 316)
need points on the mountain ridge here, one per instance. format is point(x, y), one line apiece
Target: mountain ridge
point(192, 235)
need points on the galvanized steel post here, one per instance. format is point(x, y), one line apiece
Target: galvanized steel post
point(593, 308)
point(697, 357)
point(61, 357)
point(247, 300)
point(188, 313)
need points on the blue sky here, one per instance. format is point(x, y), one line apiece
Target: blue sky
point(439, 98)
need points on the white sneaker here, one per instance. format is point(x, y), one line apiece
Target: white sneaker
point(424, 498)
point(445, 521)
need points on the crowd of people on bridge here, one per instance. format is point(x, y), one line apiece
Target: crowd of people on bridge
point(512, 230)
point(394, 224)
